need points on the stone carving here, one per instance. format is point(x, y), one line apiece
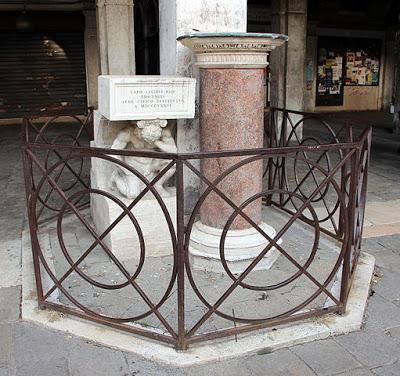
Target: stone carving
point(223, 50)
point(232, 46)
point(146, 97)
point(231, 59)
point(147, 135)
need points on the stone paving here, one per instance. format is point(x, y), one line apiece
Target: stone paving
point(26, 349)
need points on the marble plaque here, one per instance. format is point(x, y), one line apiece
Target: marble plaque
point(146, 97)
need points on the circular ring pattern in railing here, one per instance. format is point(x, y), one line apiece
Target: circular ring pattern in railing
point(136, 227)
point(304, 266)
point(324, 284)
point(130, 278)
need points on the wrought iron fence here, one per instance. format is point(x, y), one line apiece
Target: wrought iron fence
point(314, 192)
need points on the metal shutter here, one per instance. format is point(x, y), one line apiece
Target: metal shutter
point(41, 72)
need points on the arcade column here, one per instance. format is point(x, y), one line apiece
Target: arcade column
point(232, 97)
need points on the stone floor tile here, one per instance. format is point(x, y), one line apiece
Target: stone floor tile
point(5, 344)
point(391, 242)
point(46, 367)
point(388, 370)
point(356, 372)
point(31, 342)
point(234, 367)
point(381, 314)
point(10, 258)
point(393, 332)
point(370, 348)
point(280, 363)
point(326, 357)
point(139, 366)
point(385, 257)
point(97, 360)
point(388, 285)
point(10, 299)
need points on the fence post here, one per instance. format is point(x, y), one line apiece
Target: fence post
point(343, 183)
point(282, 143)
point(349, 234)
point(33, 227)
point(364, 186)
point(271, 135)
point(180, 231)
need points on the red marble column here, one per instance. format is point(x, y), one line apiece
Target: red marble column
point(231, 118)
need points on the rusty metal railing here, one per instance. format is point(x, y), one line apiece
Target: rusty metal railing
point(310, 185)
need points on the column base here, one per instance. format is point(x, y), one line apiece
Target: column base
point(241, 248)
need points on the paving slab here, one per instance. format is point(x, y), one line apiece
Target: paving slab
point(380, 213)
point(372, 231)
point(370, 348)
point(388, 370)
point(31, 343)
point(52, 366)
point(393, 332)
point(326, 357)
point(381, 314)
point(356, 372)
point(384, 256)
point(391, 243)
point(10, 261)
point(10, 302)
point(105, 361)
point(388, 286)
point(281, 363)
point(5, 344)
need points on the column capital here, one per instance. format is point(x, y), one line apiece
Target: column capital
point(232, 50)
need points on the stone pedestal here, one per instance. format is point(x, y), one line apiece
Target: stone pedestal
point(150, 100)
point(231, 117)
point(123, 240)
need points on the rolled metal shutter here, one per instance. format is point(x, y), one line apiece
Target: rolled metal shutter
point(41, 73)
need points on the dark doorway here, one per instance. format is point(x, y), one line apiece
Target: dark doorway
point(42, 67)
point(147, 37)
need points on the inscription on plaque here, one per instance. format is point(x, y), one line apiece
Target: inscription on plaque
point(146, 97)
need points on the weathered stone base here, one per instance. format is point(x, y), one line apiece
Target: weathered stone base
point(123, 239)
point(241, 247)
point(265, 341)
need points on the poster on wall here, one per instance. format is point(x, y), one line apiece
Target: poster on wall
point(362, 64)
point(344, 62)
point(329, 75)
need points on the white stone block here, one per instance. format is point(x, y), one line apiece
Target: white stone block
point(146, 97)
point(123, 240)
